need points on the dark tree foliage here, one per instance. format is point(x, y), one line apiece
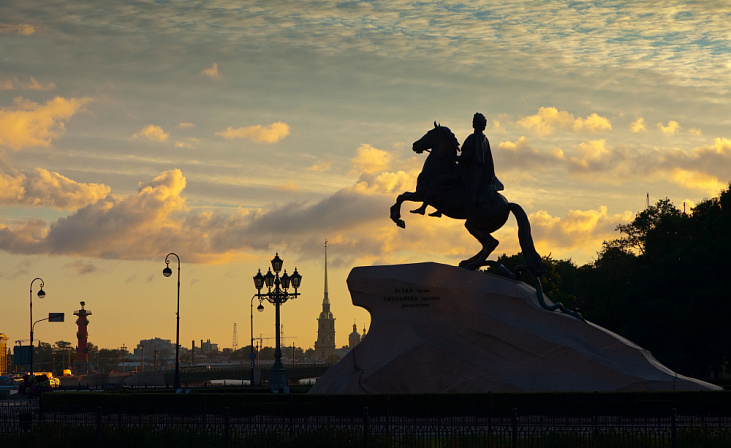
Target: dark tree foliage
point(663, 283)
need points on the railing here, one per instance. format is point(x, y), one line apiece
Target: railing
point(26, 422)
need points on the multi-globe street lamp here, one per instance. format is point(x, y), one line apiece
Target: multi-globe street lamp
point(278, 296)
point(252, 355)
point(167, 272)
point(41, 294)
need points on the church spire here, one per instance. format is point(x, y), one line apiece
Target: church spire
point(325, 344)
point(326, 299)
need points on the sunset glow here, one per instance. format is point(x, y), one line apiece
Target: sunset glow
point(229, 131)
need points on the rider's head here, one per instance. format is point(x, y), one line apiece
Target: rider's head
point(479, 122)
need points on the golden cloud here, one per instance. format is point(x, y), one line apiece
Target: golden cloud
point(578, 230)
point(260, 134)
point(289, 186)
point(321, 167)
point(46, 188)
point(549, 119)
point(521, 153)
point(695, 131)
point(212, 71)
point(671, 128)
point(698, 181)
point(12, 188)
point(15, 84)
point(23, 29)
point(386, 182)
point(152, 132)
point(188, 143)
point(370, 159)
point(591, 155)
point(27, 123)
point(638, 125)
point(722, 146)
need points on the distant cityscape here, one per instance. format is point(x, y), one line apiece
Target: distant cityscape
point(62, 357)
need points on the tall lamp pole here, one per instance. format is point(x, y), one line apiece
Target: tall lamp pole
point(252, 355)
point(41, 294)
point(167, 272)
point(278, 296)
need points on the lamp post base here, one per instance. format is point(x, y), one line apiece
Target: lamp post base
point(278, 380)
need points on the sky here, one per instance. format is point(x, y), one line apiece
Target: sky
point(228, 131)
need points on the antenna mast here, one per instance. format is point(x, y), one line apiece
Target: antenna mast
point(235, 342)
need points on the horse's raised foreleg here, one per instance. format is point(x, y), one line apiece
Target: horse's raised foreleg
point(489, 243)
point(396, 208)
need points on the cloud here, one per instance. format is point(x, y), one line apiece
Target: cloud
point(549, 119)
point(638, 125)
point(81, 268)
point(521, 154)
point(188, 143)
point(584, 230)
point(185, 125)
point(370, 159)
point(212, 72)
point(695, 180)
point(593, 156)
point(15, 84)
point(23, 29)
point(27, 123)
point(146, 224)
point(45, 188)
point(260, 134)
point(695, 131)
point(290, 185)
point(133, 227)
point(672, 127)
point(321, 167)
point(152, 132)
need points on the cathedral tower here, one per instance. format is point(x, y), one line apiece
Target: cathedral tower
point(325, 344)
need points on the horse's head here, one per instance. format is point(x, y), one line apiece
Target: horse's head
point(440, 139)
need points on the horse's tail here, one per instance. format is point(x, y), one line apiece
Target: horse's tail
point(532, 259)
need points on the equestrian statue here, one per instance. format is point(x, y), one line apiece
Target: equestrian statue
point(464, 186)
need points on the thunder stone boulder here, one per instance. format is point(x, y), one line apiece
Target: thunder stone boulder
point(437, 328)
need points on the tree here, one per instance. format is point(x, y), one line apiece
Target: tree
point(42, 357)
point(662, 284)
point(644, 223)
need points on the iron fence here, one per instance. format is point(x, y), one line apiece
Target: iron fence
point(25, 424)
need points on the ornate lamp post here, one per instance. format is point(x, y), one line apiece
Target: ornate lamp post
point(167, 272)
point(41, 294)
point(252, 355)
point(278, 296)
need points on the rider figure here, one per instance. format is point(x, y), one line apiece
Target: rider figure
point(475, 163)
point(476, 168)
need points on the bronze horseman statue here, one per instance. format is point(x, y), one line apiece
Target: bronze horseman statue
point(465, 187)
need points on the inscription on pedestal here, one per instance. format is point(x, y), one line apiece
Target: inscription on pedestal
point(411, 297)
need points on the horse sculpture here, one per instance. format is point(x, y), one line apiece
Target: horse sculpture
point(448, 194)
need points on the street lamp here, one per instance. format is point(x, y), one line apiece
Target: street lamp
point(260, 308)
point(41, 294)
point(277, 378)
point(167, 272)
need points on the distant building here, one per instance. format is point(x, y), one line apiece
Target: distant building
point(325, 344)
point(155, 352)
point(3, 354)
point(354, 337)
point(208, 348)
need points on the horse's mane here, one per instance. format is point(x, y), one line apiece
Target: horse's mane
point(448, 132)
